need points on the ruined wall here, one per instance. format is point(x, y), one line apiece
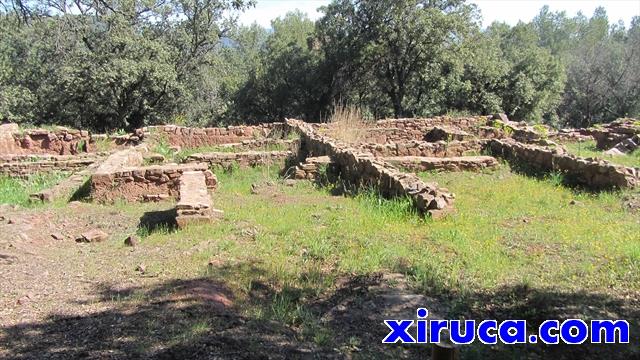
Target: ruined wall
point(390, 135)
point(596, 174)
point(361, 168)
point(423, 148)
point(244, 159)
point(250, 145)
point(61, 141)
point(24, 165)
point(422, 125)
point(151, 183)
point(194, 203)
point(123, 158)
point(467, 163)
point(309, 169)
point(187, 137)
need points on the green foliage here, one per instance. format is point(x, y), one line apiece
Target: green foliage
point(284, 82)
point(128, 63)
point(163, 147)
point(106, 66)
point(542, 130)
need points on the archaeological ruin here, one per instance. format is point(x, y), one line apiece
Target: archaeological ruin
point(386, 157)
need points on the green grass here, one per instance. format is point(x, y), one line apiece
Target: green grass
point(507, 228)
point(588, 149)
point(295, 243)
point(16, 191)
point(508, 232)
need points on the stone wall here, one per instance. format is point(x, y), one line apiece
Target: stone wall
point(443, 133)
point(596, 174)
point(424, 124)
point(388, 135)
point(150, 183)
point(419, 163)
point(194, 202)
point(626, 146)
point(257, 145)
point(423, 148)
point(24, 165)
point(124, 158)
point(309, 169)
point(363, 169)
point(243, 159)
point(61, 141)
point(186, 137)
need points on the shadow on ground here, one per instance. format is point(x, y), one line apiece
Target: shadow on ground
point(153, 221)
point(202, 319)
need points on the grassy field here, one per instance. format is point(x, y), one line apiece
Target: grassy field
point(300, 267)
point(589, 149)
point(16, 191)
point(512, 240)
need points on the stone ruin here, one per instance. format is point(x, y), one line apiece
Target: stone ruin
point(125, 167)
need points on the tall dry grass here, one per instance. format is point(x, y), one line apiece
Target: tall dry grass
point(347, 124)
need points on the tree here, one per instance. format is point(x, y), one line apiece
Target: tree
point(115, 64)
point(400, 47)
point(535, 78)
point(286, 82)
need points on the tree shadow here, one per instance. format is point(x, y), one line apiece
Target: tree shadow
point(177, 319)
point(207, 318)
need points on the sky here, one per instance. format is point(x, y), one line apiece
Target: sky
point(509, 11)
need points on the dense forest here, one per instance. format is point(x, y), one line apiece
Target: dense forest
point(121, 64)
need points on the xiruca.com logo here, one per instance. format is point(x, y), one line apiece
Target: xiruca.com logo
point(570, 331)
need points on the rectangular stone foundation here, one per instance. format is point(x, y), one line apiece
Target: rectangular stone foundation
point(149, 183)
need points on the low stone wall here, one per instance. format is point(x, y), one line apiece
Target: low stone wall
point(24, 165)
point(466, 163)
point(625, 147)
point(441, 133)
point(571, 135)
point(596, 174)
point(606, 139)
point(256, 145)
point(363, 169)
point(187, 137)
point(423, 148)
point(424, 124)
point(243, 159)
point(150, 183)
point(310, 168)
point(61, 141)
point(615, 132)
point(194, 203)
point(388, 135)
